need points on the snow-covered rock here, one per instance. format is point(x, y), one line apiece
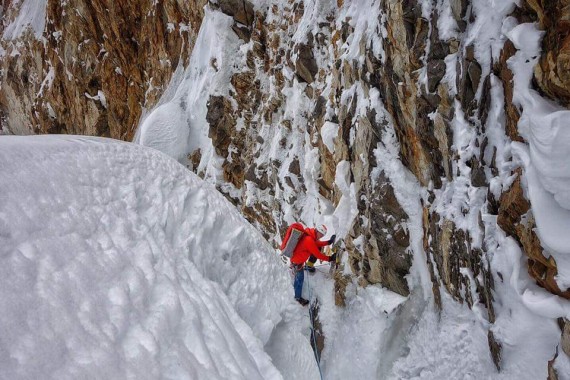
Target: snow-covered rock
point(119, 57)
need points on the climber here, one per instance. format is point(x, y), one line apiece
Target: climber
point(308, 246)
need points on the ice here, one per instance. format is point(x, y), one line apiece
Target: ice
point(552, 221)
point(526, 38)
point(165, 129)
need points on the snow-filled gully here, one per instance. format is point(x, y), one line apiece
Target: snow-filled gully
point(116, 261)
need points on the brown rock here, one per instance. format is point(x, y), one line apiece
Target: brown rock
point(541, 266)
point(242, 32)
point(429, 230)
point(439, 49)
point(474, 70)
point(436, 71)
point(250, 174)
point(340, 283)
point(305, 66)
point(469, 79)
point(234, 173)
point(407, 34)
point(289, 182)
point(502, 71)
point(565, 341)
point(317, 337)
point(553, 71)
point(324, 189)
point(513, 205)
point(485, 101)
point(458, 8)
point(495, 348)
point(478, 177)
point(120, 49)
point(552, 374)
point(195, 158)
point(248, 93)
point(295, 167)
point(401, 236)
point(222, 124)
point(385, 259)
point(257, 214)
point(240, 10)
point(442, 132)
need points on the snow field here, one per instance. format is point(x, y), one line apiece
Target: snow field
point(117, 262)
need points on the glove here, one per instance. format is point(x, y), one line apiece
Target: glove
point(332, 239)
point(332, 258)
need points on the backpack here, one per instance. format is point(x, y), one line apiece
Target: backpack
point(294, 233)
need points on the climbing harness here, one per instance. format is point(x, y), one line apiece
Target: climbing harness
point(313, 333)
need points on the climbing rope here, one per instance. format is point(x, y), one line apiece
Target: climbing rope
point(311, 317)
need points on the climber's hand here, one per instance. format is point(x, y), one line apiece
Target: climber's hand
point(332, 239)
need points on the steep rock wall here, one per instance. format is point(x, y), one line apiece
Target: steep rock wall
point(448, 97)
point(95, 66)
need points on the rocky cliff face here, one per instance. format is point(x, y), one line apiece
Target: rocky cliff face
point(426, 82)
point(94, 67)
point(448, 99)
point(290, 66)
point(321, 95)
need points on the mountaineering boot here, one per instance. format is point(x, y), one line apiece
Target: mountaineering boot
point(302, 301)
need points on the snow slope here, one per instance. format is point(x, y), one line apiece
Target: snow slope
point(117, 262)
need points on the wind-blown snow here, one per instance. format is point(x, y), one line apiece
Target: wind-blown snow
point(547, 169)
point(117, 262)
point(178, 126)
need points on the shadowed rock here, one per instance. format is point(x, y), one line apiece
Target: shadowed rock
point(436, 71)
point(240, 10)
point(305, 66)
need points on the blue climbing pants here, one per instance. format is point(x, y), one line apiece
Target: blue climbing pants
point(299, 278)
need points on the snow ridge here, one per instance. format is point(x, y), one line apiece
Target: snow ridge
point(118, 262)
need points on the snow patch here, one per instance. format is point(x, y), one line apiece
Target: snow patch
point(32, 14)
point(329, 131)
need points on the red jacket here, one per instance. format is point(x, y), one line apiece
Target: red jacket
point(307, 246)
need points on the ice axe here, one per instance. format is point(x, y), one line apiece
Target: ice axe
point(337, 248)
